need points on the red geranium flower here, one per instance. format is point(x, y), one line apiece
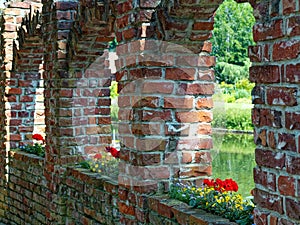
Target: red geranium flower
point(208, 182)
point(38, 137)
point(113, 151)
point(98, 156)
point(219, 185)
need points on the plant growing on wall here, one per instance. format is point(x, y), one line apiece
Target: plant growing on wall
point(218, 197)
point(38, 148)
point(105, 163)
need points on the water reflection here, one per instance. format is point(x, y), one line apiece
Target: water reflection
point(233, 157)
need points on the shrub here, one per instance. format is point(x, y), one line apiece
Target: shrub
point(233, 117)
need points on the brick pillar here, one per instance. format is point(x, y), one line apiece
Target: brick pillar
point(3, 200)
point(275, 70)
point(76, 86)
point(165, 101)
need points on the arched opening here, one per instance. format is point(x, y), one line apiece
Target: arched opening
point(233, 151)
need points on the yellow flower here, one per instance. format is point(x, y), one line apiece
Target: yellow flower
point(227, 198)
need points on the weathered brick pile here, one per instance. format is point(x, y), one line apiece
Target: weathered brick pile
point(55, 79)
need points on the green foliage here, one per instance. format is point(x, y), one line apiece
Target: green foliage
point(233, 117)
point(114, 111)
point(36, 149)
point(114, 90)
point(231, 37)
point(238, 92)
point(231, 73)
point(232, 32)
point(114, 108)
point(112, 45)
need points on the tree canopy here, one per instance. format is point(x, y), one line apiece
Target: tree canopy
point(232, 35)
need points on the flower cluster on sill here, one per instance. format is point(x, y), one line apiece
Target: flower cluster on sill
point(217, 197)
point(38, 148)
point(105, 163)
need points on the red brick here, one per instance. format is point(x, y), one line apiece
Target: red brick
point(26, 99)
point(273, 220)
point(292, 120)
point(292, 208)
point(129, 34)
point(205, 25)
point(194, 116)
point(194, 143)
point(152, 115)
point(283, 221)
point(260, 218)
point(196, 171)
point(292, 75)
point(255, 53)
point(195, 89)
point(148, 3)
point(268, 31)
point(265, 74)
point(204, 103)
point(266, 117)
point(157, 87)
point(150, 144)
point(293, 27)
point(270, 159)
point(126, 209)
point(15, 91)
point(66, 5)
point(145, 128)
point(179, 103)
point(140, 102)
point(180, 73)
point(179, 25)
point(203, 157)
point(286, 185)
point(265, 178)
point(282, 96)
point(268, 201)
point(289, 6)
point(293, 164)
point(272, 140)
point(285, 50)
point(143, 186)
point(200, 36)
point(124, 7)
point(287, 142)
point(258, 95)
point(204, 129)
point(186, 157)
point(147, 159)
point(206, 75)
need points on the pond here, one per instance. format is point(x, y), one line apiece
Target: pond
point(233, 157)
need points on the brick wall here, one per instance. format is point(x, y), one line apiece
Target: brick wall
point(3, 204)
point(163, 49)
point(275, 115)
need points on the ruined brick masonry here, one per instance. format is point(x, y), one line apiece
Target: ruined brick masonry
point(55, 79)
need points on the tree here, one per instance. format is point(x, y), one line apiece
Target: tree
point(232, 35)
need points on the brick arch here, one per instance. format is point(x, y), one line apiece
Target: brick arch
point(84, 91)
point(25, 92)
